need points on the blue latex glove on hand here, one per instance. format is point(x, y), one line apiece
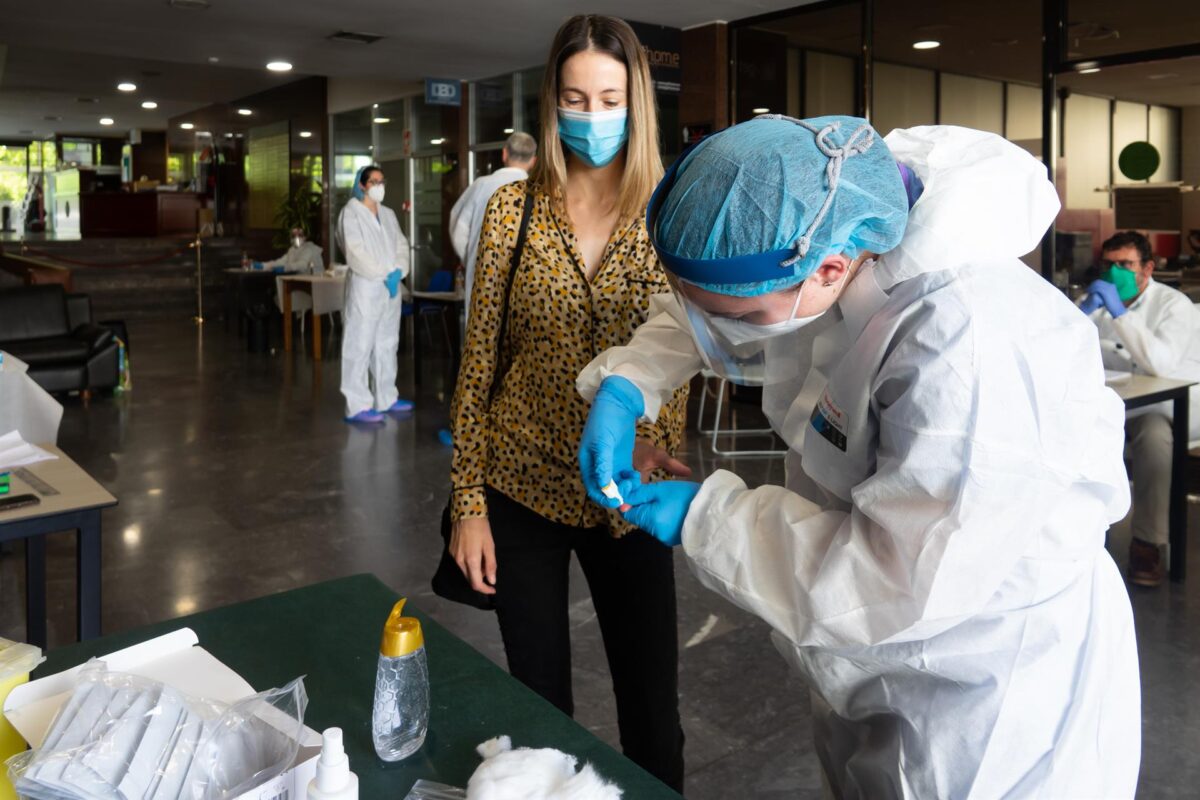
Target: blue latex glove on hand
point(256, 265)
point(392, 281)
point(1090, 303)
point(657, 508)
point(1107, 294)
point(606, 449)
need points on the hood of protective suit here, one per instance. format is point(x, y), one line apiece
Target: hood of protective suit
point(984, 197)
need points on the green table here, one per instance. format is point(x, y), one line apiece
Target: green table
point(330, 634)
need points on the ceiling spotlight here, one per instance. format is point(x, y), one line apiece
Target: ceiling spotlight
point(187, 126)
point(245, 112)
point(382, 120)
point(106, 120)
point(279, 66)
point(213, 59)
point(149, 105)
point(761, 110)
point(126, 86)
point(1089, 71)
point(508, 130)
point(437, 141)
point(305, 134)
point(229, 136)
point(928, 44)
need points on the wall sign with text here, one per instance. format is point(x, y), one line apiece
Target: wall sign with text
point(440, 92)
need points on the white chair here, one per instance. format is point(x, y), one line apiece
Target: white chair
point(716, 431)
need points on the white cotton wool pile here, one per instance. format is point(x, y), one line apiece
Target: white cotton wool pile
point(528, 774)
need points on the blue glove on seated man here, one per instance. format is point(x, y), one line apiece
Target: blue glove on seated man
point(392, 281)
point(657, 508)
point(1103, 293)
point(606, 449)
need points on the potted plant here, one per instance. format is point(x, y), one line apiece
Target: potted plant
point(301, 209)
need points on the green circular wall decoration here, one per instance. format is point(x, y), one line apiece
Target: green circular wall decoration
point(1138, 161)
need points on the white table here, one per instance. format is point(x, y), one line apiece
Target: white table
point(1139, 391)
point(25, 406)
point(71, 500)
point(328, 294)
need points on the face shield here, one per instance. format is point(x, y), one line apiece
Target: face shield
point(742, 352)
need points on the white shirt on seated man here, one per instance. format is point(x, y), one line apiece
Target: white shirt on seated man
point(1146, 328)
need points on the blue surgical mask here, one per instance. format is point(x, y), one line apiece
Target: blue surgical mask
point(596, 137)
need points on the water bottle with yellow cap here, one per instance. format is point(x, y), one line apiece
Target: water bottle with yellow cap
point(401, 713)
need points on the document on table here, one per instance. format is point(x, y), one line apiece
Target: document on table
point(1112, 376)
point(16, 452)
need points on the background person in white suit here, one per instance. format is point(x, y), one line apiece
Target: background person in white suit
point(378, 257)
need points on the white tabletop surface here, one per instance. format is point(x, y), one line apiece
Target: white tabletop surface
point(76, 489)
point(448, 297)
point(1131, 387)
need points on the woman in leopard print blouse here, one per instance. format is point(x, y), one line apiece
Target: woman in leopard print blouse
point(584, 284)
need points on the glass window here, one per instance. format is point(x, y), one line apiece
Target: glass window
point(1102, 28)
point(487, 162)
point(492, 100)
point(531, 89)
point(81, 153)
point(390, 135)
point(904, 97)
point(434, 126)
point(14, 173)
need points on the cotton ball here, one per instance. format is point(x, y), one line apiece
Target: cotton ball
point(527, 774)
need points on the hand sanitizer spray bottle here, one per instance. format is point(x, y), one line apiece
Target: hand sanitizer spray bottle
point(334, 779)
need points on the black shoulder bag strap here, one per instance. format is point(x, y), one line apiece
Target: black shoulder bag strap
point(448, 580)
point(514, 265)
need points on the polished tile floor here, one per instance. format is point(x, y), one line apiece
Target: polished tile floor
point(237, 478)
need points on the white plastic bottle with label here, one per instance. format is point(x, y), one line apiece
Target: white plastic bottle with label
point(334, 779)
point(400, 717)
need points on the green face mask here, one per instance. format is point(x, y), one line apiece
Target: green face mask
point(1123, 279)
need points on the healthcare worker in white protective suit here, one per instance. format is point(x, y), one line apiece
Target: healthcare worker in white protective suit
point(377, 254)
point(936, 565)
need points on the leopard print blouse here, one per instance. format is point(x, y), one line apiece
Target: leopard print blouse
point(525, 443)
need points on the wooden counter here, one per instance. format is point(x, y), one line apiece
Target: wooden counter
point(138, 214)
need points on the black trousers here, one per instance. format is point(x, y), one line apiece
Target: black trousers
point(632, 580)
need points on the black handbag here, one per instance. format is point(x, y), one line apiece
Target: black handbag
point(449, 582)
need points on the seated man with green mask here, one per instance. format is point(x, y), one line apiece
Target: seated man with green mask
point(1150, 329)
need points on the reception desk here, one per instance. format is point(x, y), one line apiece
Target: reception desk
point(138, 214)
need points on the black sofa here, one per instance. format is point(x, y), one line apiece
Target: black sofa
point(53, 333)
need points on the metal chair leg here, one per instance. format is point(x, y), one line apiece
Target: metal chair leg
point(717, 433)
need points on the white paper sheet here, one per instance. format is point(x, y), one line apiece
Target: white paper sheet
point(16, 452)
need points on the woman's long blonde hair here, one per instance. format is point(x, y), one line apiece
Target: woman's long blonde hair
point(643, 162)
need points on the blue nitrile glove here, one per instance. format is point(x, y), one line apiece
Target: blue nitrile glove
point(1090, 303)
point(256, 264)
point(606, 449)
point(1107, 293)
point(657, 508)
point(393, 283)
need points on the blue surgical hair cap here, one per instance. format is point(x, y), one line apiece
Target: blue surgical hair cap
point(820, 187)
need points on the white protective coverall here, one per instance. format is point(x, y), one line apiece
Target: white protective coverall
point(374, 246)
point(305, 259)
point(466, 220)
point(936, 566)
